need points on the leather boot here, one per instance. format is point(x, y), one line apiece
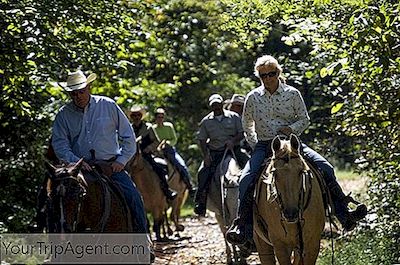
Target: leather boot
point(241, 229)
point(200, 203)
point(347, 218)
point(186, 179)
point(169, 193)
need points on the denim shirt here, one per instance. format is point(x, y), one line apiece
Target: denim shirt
point(101, 126)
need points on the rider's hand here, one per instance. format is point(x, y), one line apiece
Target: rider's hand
point(117, 167)
point(86, 166)
point(286, 130)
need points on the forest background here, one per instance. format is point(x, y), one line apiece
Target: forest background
point(344, 56)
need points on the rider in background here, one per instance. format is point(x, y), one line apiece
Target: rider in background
point(165, 132)
point(220, 129)
point(272, 109)
point(148, 143)
point(235, 104)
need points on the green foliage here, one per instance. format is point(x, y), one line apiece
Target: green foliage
point(342, 55)
point(369, 247)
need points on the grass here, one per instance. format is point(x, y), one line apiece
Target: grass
point(342, 174)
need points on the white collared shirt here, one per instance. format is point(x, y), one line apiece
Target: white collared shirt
point(264, 114)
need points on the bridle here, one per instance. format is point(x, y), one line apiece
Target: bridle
point(304, 193)
point(60, 191)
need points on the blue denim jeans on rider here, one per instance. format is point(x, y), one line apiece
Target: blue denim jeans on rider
point(173, 156)
point(133, 199)
point(252, 169)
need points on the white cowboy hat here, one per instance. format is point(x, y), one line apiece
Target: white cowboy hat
point(77, 80)
point(236, 98)
point(160, 111)
point(137, 108)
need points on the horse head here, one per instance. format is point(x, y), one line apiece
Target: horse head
point(287, 178)
point(66, 189)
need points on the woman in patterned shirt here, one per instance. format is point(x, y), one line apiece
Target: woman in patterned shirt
point(275, 108)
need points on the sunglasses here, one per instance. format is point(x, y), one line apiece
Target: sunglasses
point(160, 116)
point(270, 74)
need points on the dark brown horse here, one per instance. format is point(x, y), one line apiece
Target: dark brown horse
point(84, 202)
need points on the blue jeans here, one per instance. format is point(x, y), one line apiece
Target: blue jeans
point(172, 155)
point(133, 199)
point(252, 169)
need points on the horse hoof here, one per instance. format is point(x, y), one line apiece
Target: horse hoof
point(180, 228)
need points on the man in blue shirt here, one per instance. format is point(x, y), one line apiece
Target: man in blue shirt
point(91, 122)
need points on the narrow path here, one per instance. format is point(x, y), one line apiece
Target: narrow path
point(202, 241)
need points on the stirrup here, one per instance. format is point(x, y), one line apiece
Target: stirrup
point(236, 234)
point(349, 199)
point(171, 195)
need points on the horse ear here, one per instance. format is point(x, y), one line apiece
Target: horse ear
point(295, 142)
point(276, 144)
point(77, 167)
point(50, 168)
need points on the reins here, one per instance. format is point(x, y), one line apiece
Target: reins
point(222, 181)
point(303, 201)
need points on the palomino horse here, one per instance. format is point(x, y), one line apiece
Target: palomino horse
point(223, 200)
point(289, 211)
point(84, 203)
point(148, 184)
point(176, 183)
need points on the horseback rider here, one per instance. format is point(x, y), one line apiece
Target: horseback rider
point(235, 104)
point(91, 122)
point(147, 145)
point(165, 132)
point(220, 129)
point(271, 109)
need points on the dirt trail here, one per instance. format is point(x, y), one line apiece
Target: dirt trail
point(202, 241)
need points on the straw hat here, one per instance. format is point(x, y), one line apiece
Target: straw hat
point(137, 108)
point(77, 80)
point(236, 98)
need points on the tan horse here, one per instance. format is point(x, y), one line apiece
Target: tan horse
point(289, 211)
point(223, 201)
point(149, 186)
point(176, 183)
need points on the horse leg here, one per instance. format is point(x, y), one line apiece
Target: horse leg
point(176, 209)
point(170, 232)
point(283, 254)
point(311, 254)
point(157, 229)
point(265, 251)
